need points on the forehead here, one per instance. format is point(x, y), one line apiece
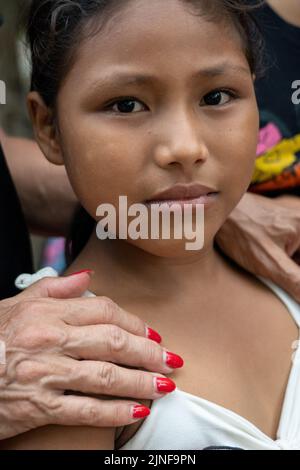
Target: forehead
point(169, 37)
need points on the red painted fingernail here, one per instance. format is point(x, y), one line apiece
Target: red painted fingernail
point(87, 271)
point(165, 385)
point(152, 334)
point(173, 360)
point(140, 411)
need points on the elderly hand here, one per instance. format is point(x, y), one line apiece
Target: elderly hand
point(53, 341)
point(263, 236)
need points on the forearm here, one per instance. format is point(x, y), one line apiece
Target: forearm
point(44, 190)
point(63, 438)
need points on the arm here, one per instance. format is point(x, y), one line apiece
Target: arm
point(263, 236)
point(75, 345)
point(41, 187)
point(292, 202)
point(64, 438)
point(289, 10)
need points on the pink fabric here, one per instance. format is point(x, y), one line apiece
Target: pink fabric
point(269, 136)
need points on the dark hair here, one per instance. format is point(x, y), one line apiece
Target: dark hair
point(55, 28)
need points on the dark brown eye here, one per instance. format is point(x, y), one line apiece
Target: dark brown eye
point(127, 106)
point(216, 98)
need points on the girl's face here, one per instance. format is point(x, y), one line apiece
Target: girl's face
point(159, 96)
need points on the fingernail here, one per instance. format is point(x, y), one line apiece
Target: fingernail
point(173, 360)
point(140, 411)
point(152, 334)
point(87, 271)
point(164, 385)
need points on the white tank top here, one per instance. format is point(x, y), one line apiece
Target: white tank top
point(182, 421)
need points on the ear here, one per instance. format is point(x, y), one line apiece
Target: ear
point(44, 126)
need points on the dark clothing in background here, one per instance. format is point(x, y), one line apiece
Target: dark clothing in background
point(274, 90)
point(15, 250)
point(279, 172)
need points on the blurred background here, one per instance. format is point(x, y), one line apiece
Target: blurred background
point(14, 68)
point(15, 72)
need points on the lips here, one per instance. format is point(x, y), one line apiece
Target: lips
point(182, 192)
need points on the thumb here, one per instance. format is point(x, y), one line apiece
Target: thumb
point(71, 286)
point(286, 273)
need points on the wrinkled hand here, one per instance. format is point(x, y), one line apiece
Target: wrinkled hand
point(263, 236)
point(56, 342)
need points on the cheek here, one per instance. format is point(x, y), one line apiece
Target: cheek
point(100, 166)
point(240, 144)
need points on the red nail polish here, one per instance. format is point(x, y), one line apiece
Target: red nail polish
point(152, 334)
point(164, 385)
point(87, 271)
point(173, 360)
point(140, 411)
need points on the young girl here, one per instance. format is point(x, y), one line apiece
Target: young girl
point(155, 101)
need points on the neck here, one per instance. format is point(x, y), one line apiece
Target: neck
point(288, 10)
point(121, 268)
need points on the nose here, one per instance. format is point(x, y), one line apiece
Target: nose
point(181, 144)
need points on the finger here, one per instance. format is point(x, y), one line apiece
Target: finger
point(102, 310)
point(285, 272)
point(97, 378)
point(113, 344)
point(58, 287)
point(85, 411)
point(296, 257)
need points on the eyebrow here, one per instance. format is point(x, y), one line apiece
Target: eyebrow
point(126, 79)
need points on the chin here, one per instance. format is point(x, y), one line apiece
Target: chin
point(171, 248)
